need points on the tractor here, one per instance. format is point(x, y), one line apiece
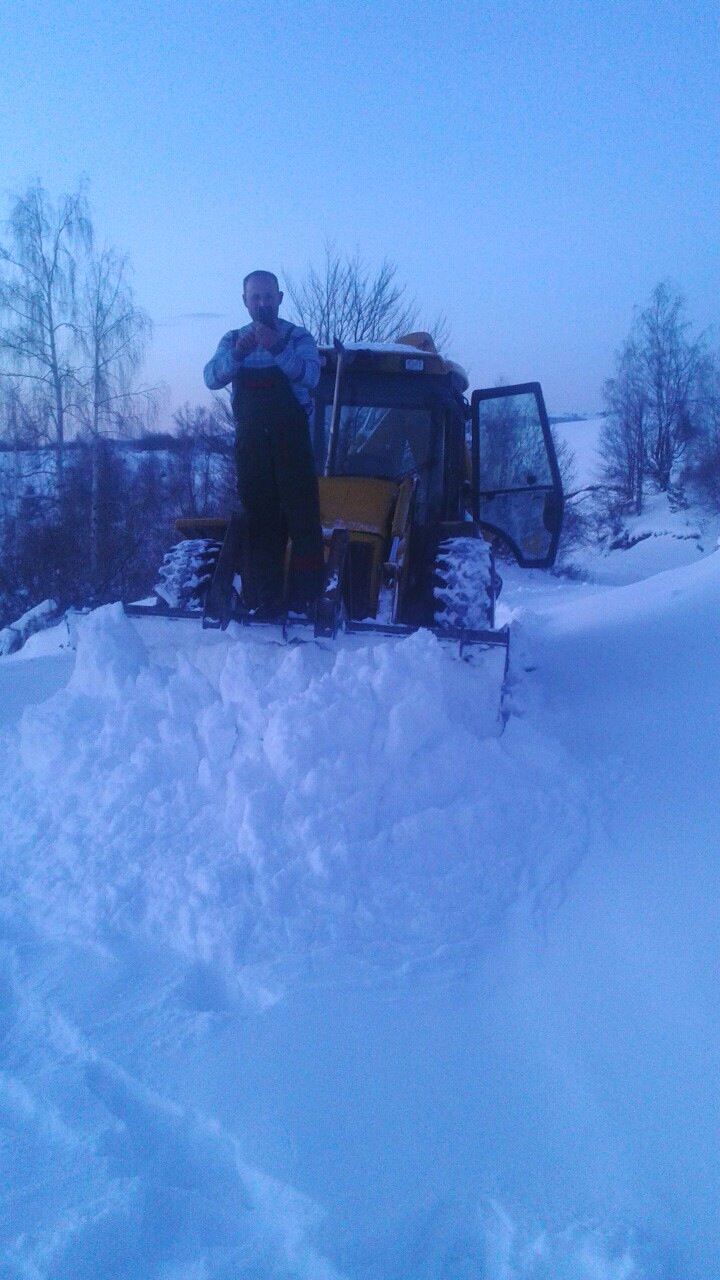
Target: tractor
point(421, 490)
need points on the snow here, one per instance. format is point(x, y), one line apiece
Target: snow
point(399, 348)
point(13, 637)
point(314, 966)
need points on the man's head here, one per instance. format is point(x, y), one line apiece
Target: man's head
point(262, 296)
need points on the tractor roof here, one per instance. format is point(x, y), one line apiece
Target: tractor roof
point(396, 357)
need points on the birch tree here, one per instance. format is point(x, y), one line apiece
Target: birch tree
point(672, 364)
point(38, 305)
point(654, 402)
point(623, 438)
point(113, 334)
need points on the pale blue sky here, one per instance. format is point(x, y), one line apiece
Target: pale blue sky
point(534, 169)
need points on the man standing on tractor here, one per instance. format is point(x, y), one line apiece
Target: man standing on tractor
point(273, 366)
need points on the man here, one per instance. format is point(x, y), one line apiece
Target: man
point(273, 366)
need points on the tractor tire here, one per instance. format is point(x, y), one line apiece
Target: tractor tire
point(464, 586)
point(186, 572)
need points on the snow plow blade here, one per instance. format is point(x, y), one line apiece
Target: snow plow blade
point(323, 629)
point(497, 639)
point(205, 577)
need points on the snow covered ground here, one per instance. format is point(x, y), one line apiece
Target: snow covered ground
point(314, 967)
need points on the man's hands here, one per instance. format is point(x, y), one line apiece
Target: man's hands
point(265, 335)
point(261, 335)
point(245, 344)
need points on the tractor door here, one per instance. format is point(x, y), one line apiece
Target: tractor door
point(517, 492)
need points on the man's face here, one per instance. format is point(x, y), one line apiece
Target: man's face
point(262, 299)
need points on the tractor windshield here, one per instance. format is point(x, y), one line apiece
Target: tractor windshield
point(381, 440)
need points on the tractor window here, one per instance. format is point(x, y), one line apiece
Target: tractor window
point(376, 440)
point(518, 493)
point(513, 453)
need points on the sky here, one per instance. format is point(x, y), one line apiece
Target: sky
point(532, 168)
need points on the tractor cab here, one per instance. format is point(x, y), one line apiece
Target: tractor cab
point(384, 415)
point(394, 435)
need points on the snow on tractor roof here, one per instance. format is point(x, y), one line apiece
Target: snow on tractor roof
point(422, 349)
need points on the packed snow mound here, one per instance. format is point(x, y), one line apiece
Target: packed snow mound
point(202, 832)
point(310, 969)
point(671, 597)
point(665, 536)
point(13, 637)
point(260, 806)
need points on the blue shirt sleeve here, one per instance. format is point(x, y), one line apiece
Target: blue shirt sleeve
point(299, 359)
point(224, 364)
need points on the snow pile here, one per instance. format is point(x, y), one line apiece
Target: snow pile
point(311, 970)
point(664, 537)
point(13, 637)
point(671, 531)
point(255, 804)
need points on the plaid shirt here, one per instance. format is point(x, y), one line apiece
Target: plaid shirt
point(295, 354)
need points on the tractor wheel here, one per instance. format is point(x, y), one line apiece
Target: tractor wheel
point(464, 584)
point(186, 572)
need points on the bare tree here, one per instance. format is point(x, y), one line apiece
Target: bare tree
point(345, 299)
point(707, 462)
point(673, 365)
point(654, 403)
point(202, 470)
point(623, 438)
point(113, 335)
point(72, 341)
point(578, 501)
point(38, 303)
point(21, 424)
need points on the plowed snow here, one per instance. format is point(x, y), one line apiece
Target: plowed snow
point(309, 969)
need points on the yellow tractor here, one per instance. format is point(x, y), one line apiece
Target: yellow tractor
point(417, 488)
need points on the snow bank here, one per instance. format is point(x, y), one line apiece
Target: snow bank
point(310, 972)
point(676, 596)
point(631, 678)
point(664, 537)
point(13, 637)
point(255, 804)
point(201, 836)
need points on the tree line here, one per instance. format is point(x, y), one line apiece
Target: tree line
point(104, 537)
point(72, 342)
point(662, 427)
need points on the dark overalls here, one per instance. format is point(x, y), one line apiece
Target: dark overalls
point(278, 487)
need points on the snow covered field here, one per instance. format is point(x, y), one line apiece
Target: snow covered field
point(313, 968)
